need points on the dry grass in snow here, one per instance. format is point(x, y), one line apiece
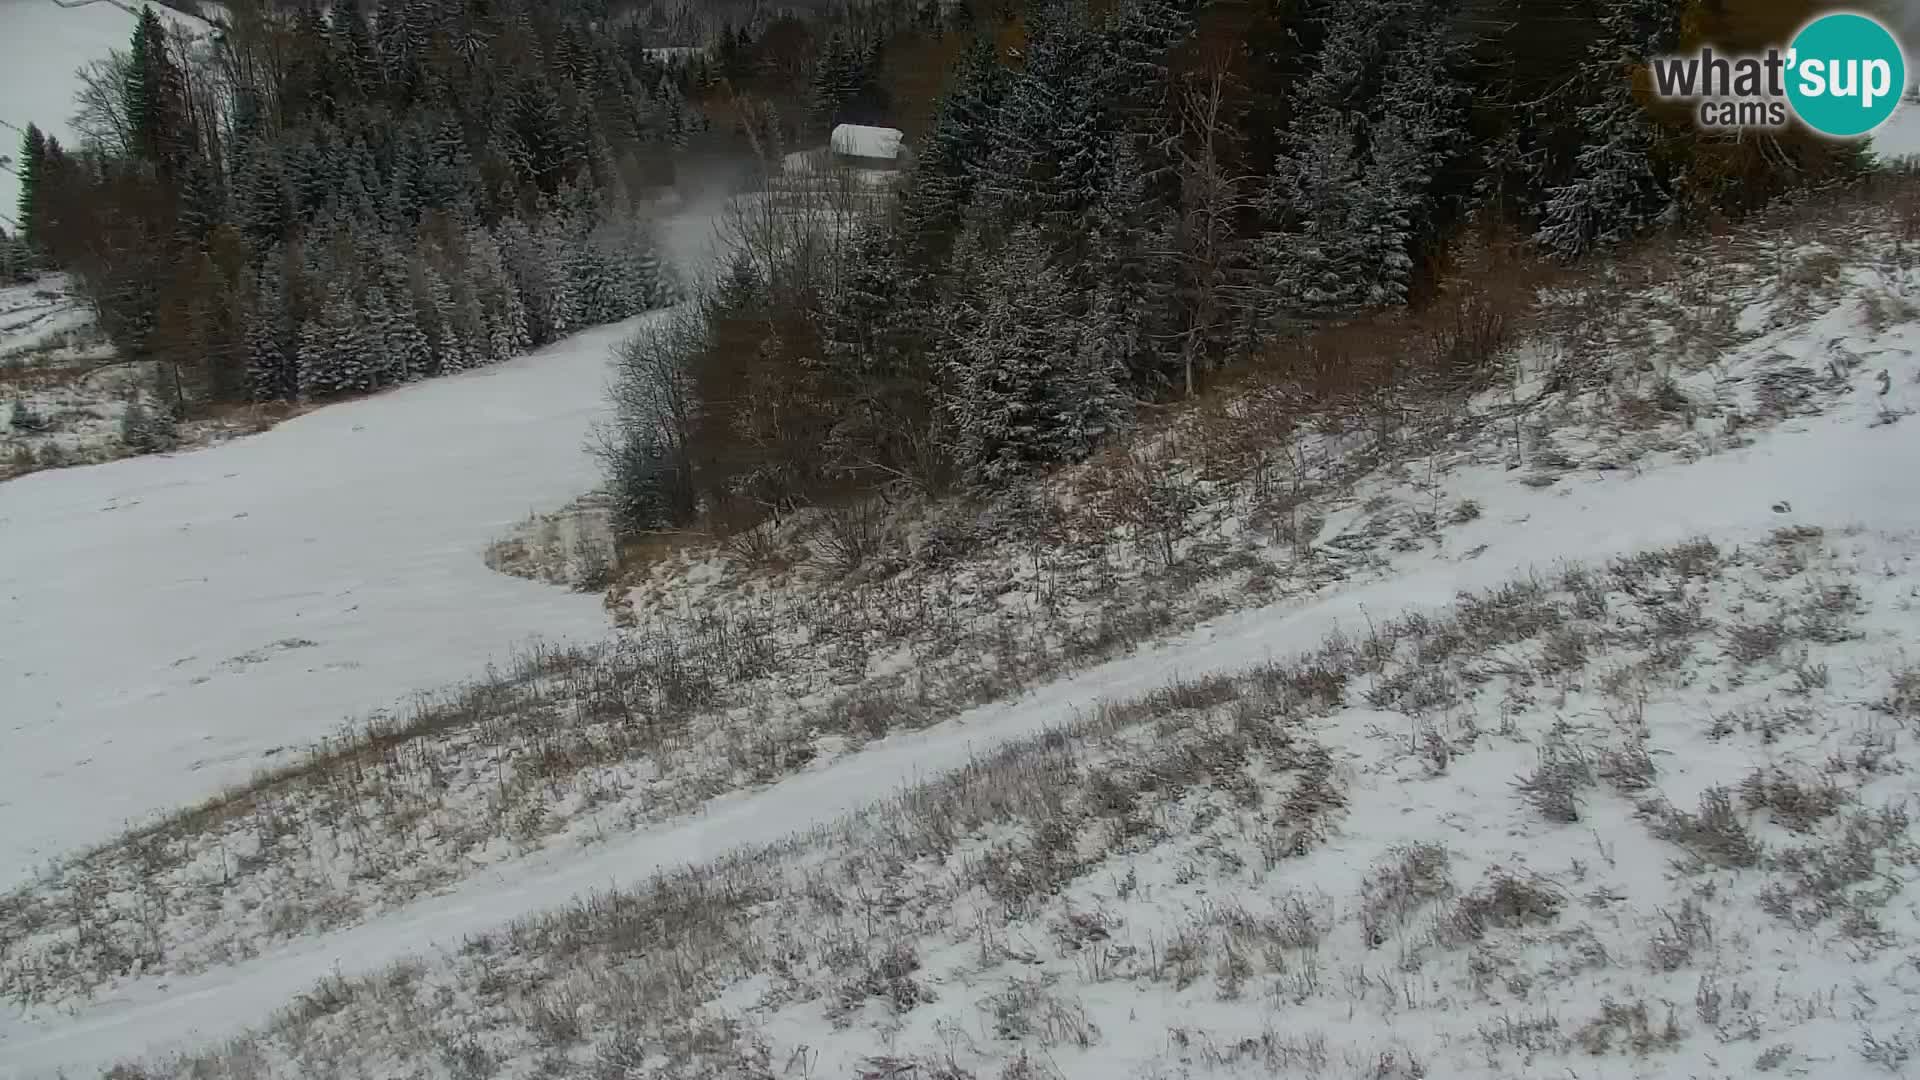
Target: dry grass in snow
point(793, 645)
point(1648, 818)
point(63, 389)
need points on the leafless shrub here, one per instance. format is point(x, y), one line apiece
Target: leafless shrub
point(1697, 559)
point(1469, 338)
point(1027, 1008)
point(757, 545)
point(1790, 801)
point(1715, 834)
point(1526, 1034)
point(1554, 786)
point(849, 534)
point(1565, 650)
point(890, 978)
point(1505, 902)
point(1519, 611)
point(1752, 642)
point(1772, 1057)
point(328, 996)
point(1400, 885)
point(1840, 876)
point(554, 1021)
point(1464, 511)
point(1890, 1052)
point(1678, 935)
point(1903, 697)
point(1631, 1024)
point(1157, 502)
point(1629, 768)
point(466, 1058)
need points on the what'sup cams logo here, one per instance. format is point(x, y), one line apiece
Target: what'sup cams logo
point(1843, 76)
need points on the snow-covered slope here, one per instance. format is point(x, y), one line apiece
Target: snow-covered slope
point(42, 46)
point(1852, 460)
point(1899, 138)
point(166, 623)
point(1838, 470)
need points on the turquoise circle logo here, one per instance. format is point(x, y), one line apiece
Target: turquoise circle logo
point(1846, 75)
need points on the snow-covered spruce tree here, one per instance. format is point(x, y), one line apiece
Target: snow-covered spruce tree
point(505, 317)
point(31, 170)
point(145, 430)
point(333, 350)
point(456, 332)
point(273, 372)
point(524, 257)
point(379, 331)
point(1136, 266)
point(409, 353)
point(954, 152)
point(1051, 159)
point(561, 301)
point(835, 80)
point(1027, 383)
point(1617, 190)
point(1351, 185)
point(1137, 85)
point(876, 371)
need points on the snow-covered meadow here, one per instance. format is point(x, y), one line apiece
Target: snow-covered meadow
point(1557, 729)
point(173, 621)
point(1768, 413)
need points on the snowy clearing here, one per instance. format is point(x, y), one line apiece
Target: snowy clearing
point(1782, 410)
point(1816, 469)
point(172, 622)
point(1641, 818)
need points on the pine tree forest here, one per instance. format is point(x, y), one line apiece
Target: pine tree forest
point(1110, 203)
point(324, 200)
point(1119, 201)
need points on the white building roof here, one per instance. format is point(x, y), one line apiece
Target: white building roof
point(856, 140)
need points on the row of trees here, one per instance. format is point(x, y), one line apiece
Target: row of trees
point(1116, 205)
point(321, 200)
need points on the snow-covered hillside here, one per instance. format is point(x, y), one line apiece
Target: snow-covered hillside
point(176, 621)
point(1817, 469)
point(1405, 919)
point(170, 622)
point(42, 45)
point(1899, 138)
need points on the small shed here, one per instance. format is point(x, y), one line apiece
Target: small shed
point(863, 147)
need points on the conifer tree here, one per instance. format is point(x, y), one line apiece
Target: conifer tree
point(1030, 385)
point(1615, 191)
point(32, 168)
point(955, 152)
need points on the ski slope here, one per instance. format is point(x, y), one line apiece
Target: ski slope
point(42, 47)
point(1834, 470)
point(166, 623)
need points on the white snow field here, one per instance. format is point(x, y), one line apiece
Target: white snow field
point(1899, 138)
point(1840, 469)
point(167, 623)
point(42, 46)
point(172, 622)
